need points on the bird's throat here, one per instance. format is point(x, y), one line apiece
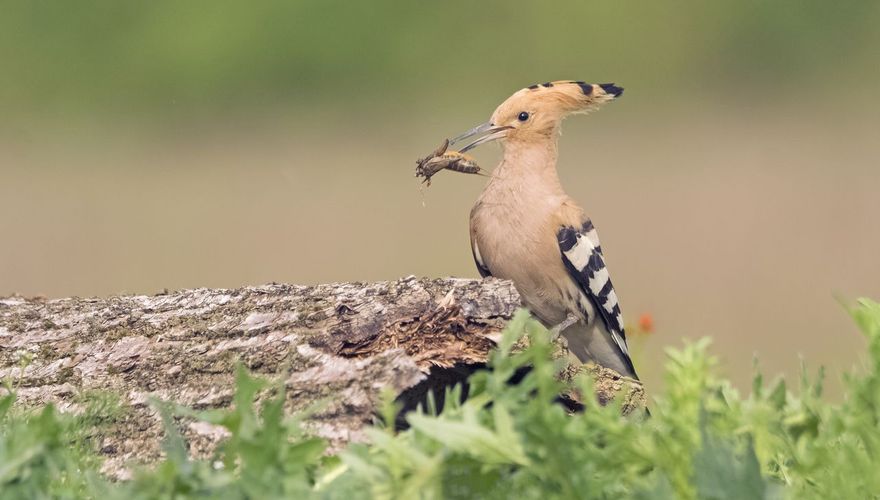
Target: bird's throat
point(527, 163)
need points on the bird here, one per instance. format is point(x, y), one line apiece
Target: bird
point(526, 229)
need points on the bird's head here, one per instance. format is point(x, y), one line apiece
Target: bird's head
point(535, 113)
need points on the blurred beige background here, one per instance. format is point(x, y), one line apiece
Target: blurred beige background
point(735, 185)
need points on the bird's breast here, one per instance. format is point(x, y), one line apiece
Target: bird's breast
point(516, 240)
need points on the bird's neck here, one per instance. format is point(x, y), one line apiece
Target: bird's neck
point(531, 161)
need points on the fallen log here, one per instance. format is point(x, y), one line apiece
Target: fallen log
point(341, 343)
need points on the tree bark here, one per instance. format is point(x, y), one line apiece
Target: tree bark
point(340, 343)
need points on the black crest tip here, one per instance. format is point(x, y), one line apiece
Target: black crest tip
point(612, 89)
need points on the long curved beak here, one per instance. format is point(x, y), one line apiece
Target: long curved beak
point(491, 132)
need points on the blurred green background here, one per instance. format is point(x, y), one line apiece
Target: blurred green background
point(162, 144)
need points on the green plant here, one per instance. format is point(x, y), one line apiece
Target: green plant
point(506, 440)
point(41, 455)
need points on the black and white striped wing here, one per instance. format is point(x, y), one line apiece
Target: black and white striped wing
point(583, 259)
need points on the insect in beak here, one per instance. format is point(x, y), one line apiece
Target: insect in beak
point(491, 132)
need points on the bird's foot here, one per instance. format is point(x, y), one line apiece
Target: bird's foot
point(556, 331)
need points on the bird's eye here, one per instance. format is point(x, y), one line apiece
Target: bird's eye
point(523, 116)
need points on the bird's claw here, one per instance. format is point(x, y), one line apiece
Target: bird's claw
point(556, 331)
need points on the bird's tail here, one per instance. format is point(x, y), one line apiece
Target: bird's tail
point(593, 342)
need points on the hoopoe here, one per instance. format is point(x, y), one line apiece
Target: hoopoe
point(524, 227)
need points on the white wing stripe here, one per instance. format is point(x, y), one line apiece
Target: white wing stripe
point(477, 256)
point(579, 255)
point(593, 236)
point(611, 302)
point(620, 342)
point(597, 282)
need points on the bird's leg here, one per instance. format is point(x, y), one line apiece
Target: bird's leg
point(569, 320)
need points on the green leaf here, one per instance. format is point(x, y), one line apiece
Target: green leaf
point(722, 473)
point(469, 438)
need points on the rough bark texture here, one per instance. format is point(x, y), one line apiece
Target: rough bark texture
point(341, 343)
